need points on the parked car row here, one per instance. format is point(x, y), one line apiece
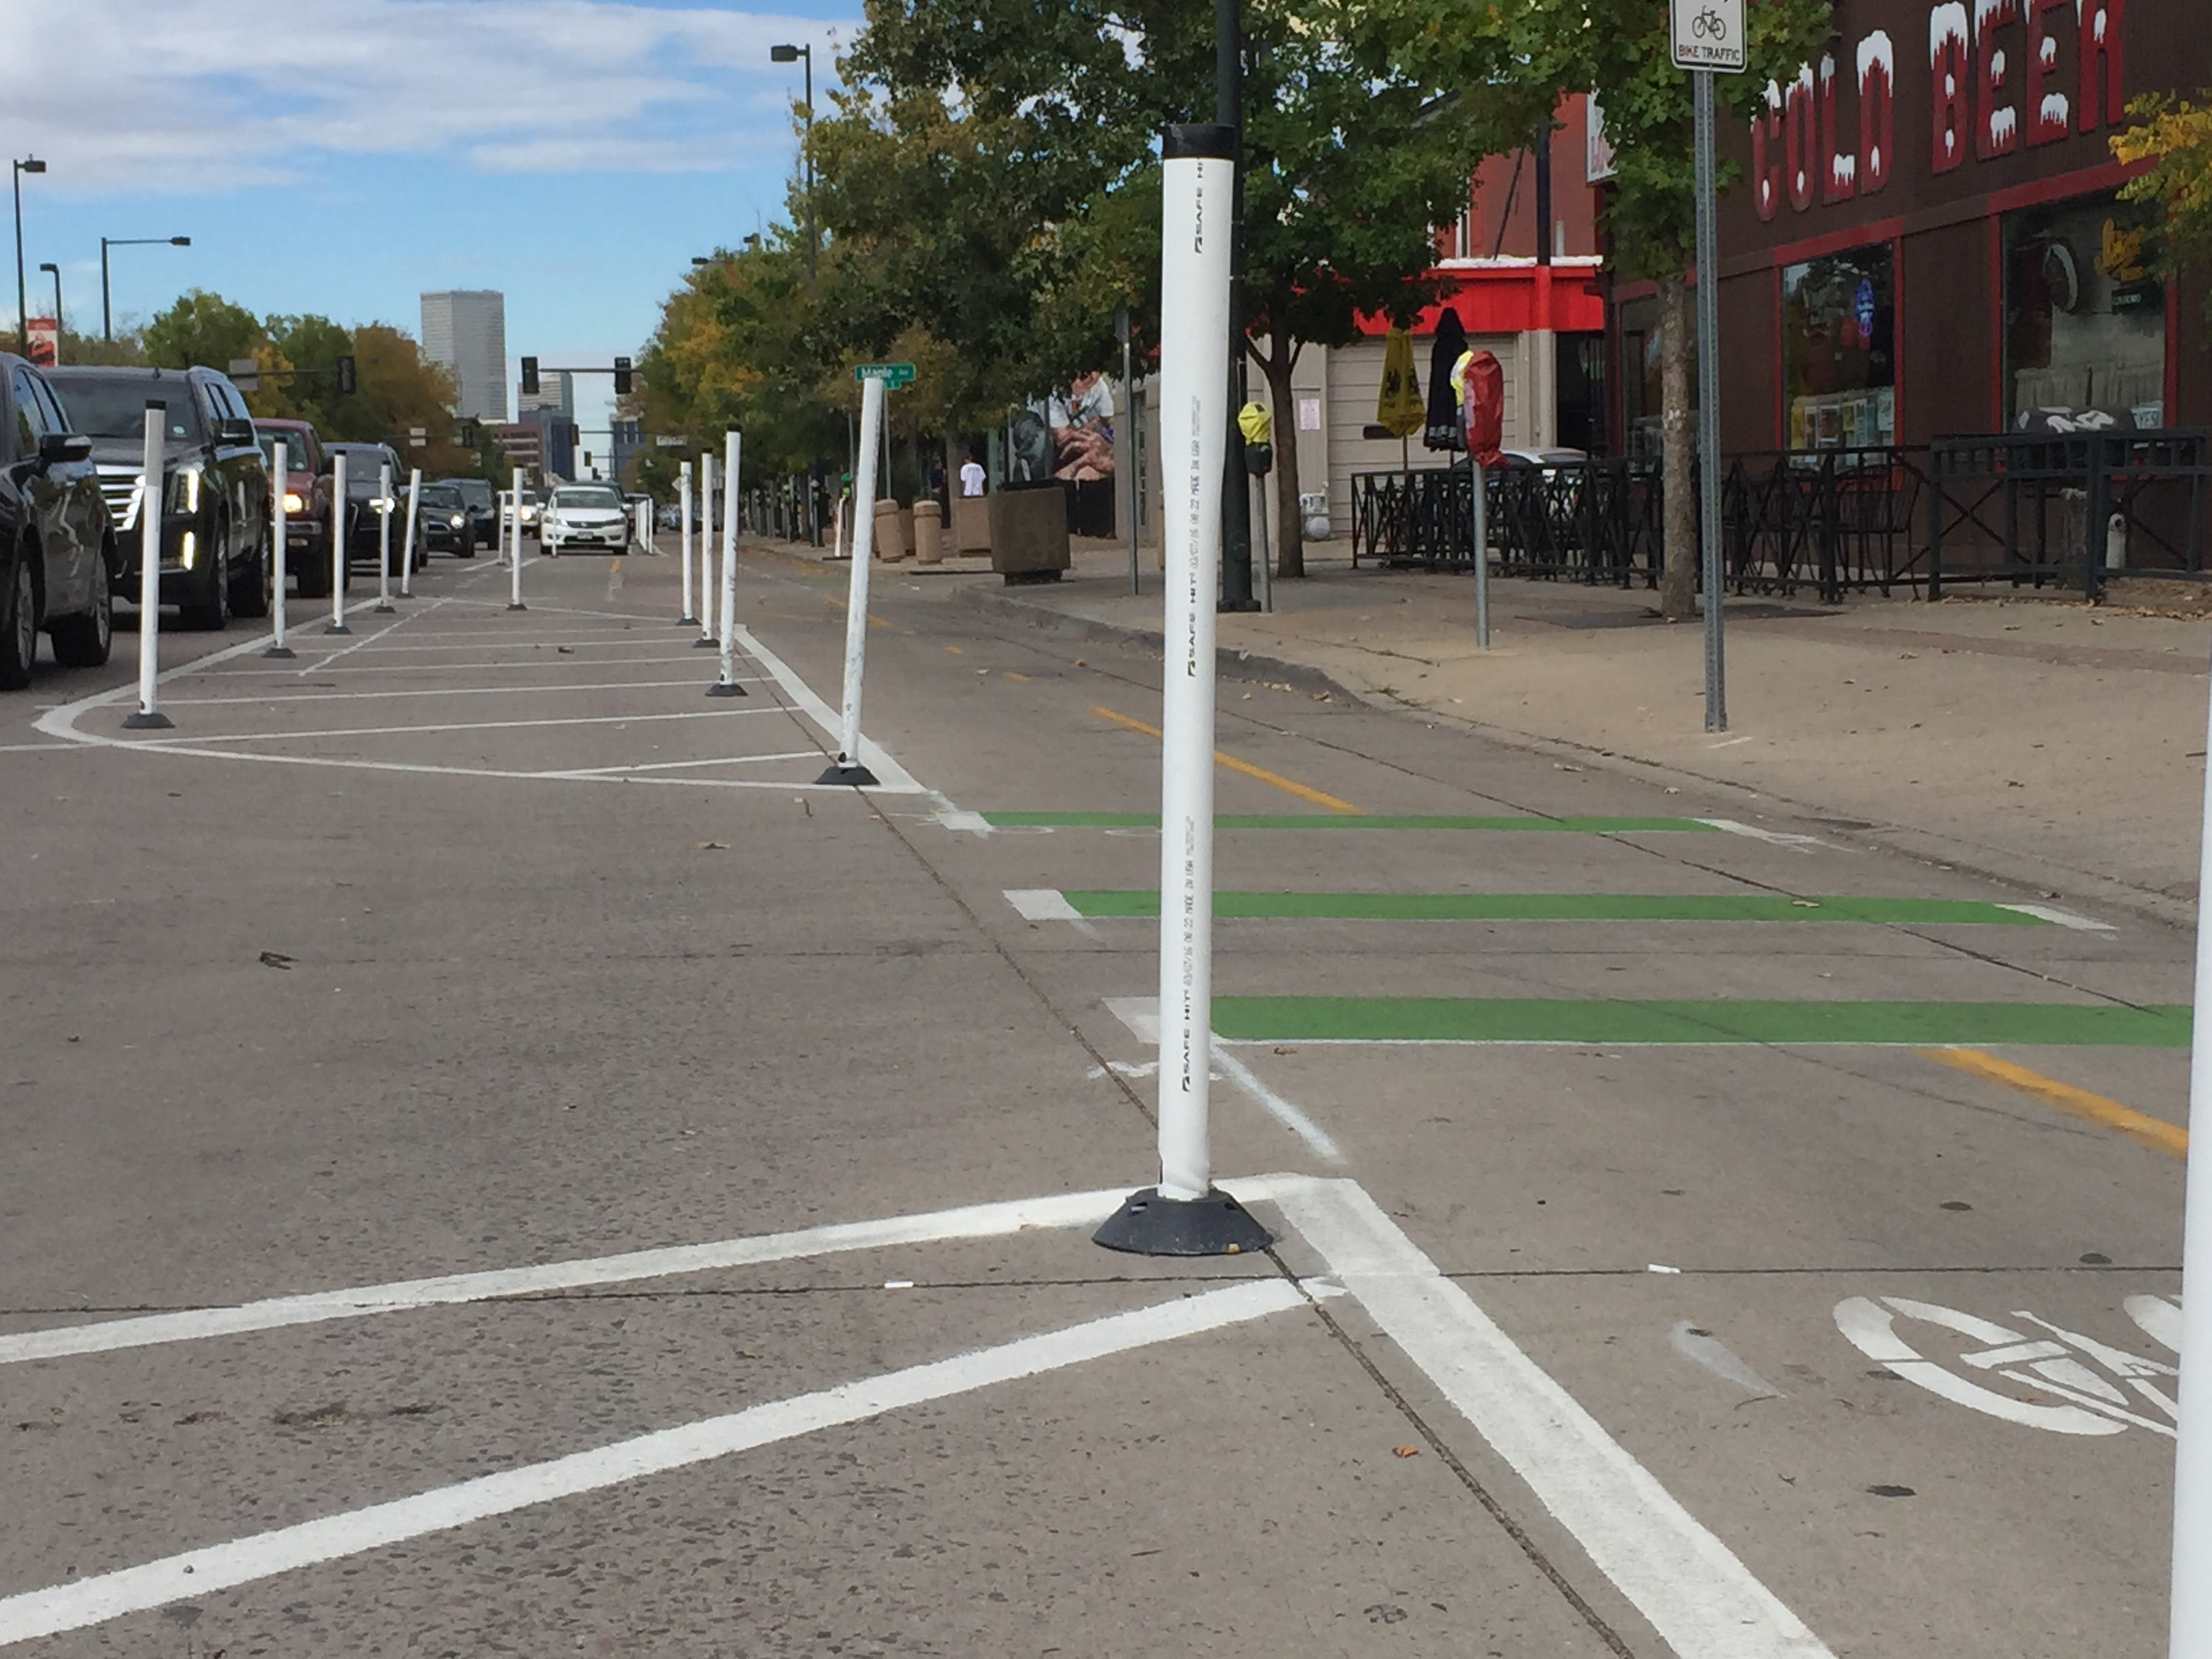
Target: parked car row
point(71, 495)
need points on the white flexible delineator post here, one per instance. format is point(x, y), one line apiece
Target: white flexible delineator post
point(280, 521)
point(707, 634)
point(339, 551)
point(2190, 1628)
point(725, 681)
point(384, 605)
point(1184, 1215)
point(514, 570)
point(684, 522)
point(407, 552)
point(848, 766)
point(149, 716)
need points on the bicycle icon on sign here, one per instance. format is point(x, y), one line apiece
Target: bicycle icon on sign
point(2063, 1381)
point(1708, 25)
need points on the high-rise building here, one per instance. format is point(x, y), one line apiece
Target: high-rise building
point(464, 330)
point(555, 393)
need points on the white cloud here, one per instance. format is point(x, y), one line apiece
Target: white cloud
point(199, 95)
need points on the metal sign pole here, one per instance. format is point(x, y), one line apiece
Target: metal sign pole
point(849, 767)
point(1708, 407)
point(280, 461)
point(725, 682)
point(1185, 1214)
point(149, 717)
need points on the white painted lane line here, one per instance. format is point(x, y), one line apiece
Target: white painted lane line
point(1773, 837)
point(2052, 914)
point(197, 1573)
point(321, 663)
point(60, 721)
point(1042, 904)
point(43, 747)
point(686, 765)
point(549, 660)
point(577, 639)
point(1142, 1017)
point(895, 778)
point(1700, 1598)
point(463, 726)
point(275, 699)
point(994, 1220)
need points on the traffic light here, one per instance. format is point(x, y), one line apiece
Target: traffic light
point(347, 380)
point(575, 435)
point(621, 377)
point(530, 376)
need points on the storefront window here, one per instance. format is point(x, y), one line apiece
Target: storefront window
point(2085, 322)
point(1838, 351)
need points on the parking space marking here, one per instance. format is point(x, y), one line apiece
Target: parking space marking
point(1696, 1593)
point(463, 725)
point(1288, 785)
point(273, 699)
point(2139, 1126)
point(549, 661)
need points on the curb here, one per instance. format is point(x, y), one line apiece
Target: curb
point(1229, 664)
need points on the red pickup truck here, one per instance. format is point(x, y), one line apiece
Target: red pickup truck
point(307, 503)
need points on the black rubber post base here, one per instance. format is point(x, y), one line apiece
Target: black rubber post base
point(705, 643)
point(385, 610)
point(719, 690)
point(140, 721)
point(336, 627)
point(1235, 607)
point(518, 605)
point(280, 652)
point(1148, 1224)
point(687, 622)
point(845, 771)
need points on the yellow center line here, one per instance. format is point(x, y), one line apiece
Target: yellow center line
point(1288, 785)
point(2152, 1132)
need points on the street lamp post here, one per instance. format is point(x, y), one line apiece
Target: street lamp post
point(55, 271)
point(29, 164)
point(790, 54)
point(107, 308)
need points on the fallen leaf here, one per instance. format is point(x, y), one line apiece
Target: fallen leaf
point(1404, 1451)
point(713, 846)
point(274, 959)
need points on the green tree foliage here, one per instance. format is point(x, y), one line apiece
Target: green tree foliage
point(1619, 48)
point(202, 329)
point(2175, 137)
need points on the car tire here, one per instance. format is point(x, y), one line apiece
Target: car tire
point(251, 591)
point(85, 641)
point(19, 624)
point(209, 609)
point(313, 571)
point(467, 550)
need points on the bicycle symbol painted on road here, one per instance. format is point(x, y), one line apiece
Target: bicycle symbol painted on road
point(2095, 1388)
point(1709, 24)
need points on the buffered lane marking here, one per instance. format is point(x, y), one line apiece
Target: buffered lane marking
point(1126, 903)
point(1696, 1593)
point(197, 1573)
point(1276, 780)
point(1042, 904)
point(2139, 1126)
point(2058, 918)
point(1402, 821)
point(461, 726)
point(275, 699)
point(1141, 1015)
point(686, 765)
point(1772, 837)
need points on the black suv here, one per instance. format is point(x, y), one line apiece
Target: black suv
point(368, 506)
point(442, 524)
point(217, 560)
point(483, 508)
point(58, 560)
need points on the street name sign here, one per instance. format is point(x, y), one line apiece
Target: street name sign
point(1707, 34)
point(893, 375)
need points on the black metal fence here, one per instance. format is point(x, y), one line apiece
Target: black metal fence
point(2078, 509)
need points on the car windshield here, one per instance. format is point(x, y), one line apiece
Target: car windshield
point(445, 497)
point(103, 406)
point(296, 452)
point(364, 469)
point(606, 499)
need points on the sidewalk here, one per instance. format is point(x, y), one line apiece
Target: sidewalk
point(2042, 741)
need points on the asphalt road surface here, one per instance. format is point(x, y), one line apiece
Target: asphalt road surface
point(498, 1161)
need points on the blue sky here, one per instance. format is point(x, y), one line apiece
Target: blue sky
point(574, 154)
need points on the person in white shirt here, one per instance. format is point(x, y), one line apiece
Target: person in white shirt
point(971, 477)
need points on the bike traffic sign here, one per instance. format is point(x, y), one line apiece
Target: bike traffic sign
point(893, 375)
point(1707, 34)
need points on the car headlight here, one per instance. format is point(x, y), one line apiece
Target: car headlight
point(295, 502)
point(458, 519)
point(185, 490)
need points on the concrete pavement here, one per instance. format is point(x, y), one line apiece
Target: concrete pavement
point(1575, 1346)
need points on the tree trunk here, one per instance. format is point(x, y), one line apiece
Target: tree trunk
point(1678, 574)
point(1289, 529)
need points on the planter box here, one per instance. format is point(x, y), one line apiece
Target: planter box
point(1028, 532)
point(971, 523)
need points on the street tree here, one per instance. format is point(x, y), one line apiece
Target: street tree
point(2174, 135)
point(1619, 50)
point(202, 329)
